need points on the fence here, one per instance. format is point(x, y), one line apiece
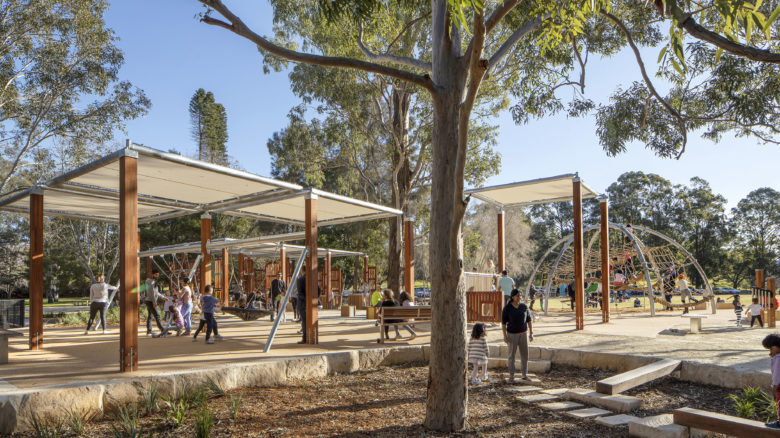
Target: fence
point(766, 299)
point(484, 306)
point(11, 313)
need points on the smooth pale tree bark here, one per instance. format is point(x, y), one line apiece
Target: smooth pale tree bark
point(453, 83)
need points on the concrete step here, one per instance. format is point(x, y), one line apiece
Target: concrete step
point(638, 376)
point(559, 391)
point(616, 403)
point(659, 426)
point(616, 420)
point(561, 406)
point(588, 413)
point(534, 366)
point(536, 398)
point(522, 389)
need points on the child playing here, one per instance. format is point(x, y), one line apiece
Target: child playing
point(738, 310)
point(772, 343)
point(755, 313)
point(176, 321)
point(210, 302)
point(478, 353)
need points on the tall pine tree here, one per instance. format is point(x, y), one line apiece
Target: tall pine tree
point(209, 127)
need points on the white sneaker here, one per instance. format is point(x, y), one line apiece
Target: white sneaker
point(475, 381)
point(210, 341)
point(105, 332)
point(86, 332)
point(218, 337)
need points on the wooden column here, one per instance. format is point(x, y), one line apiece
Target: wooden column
point(365, 268)
point(283, 264)
point(500, 228)
point(409, 257)
point(604, 205)
point(241, 280)
point(149, 267)
point(770, 285)
point(760, 278)
point(205, 264)
point(128, 264)
point(327, 279)
point(225, 277)
point(312, 324)
point(579, 272)
point(36, 269)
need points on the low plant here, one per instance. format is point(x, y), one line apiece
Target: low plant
point(76, 422)
point(128, 420)
point(197, 397)
point(204, 422)
point(151, 399)
point(75, 318)
point(235, 406)
point(755, 404)
point(45, 427)
point(215, 390)
point(177, 410)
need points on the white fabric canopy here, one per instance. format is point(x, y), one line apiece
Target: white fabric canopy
point(537, 191)
point(170, 185)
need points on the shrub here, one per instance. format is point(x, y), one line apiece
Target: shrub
point(177, 410)
point(214, 389)
point(151, 399)
point(76, 422)
point(127, 417)
point(754, 404)
point(45, 427)
point(235, 406)
point(204, 422)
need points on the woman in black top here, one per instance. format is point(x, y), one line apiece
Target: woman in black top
point(516, 323)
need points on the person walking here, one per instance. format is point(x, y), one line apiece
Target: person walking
point(210, 302)
point(185, 295)
point(516, 323)
point(685, 292)
point(151, 296)
point(506, 284)
point(98, 297)
point(302, 303)
point(755, 313)
point(572, 295)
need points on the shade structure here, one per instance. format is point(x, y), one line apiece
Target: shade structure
point(247, 248)
point(536, 191)
point(170, 185)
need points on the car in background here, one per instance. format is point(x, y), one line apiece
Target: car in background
point(422, 292)
point(726, 291)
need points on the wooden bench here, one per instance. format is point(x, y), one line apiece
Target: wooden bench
point(418, 313)
point(4, 334)
point(725, 424)
point(695, 320)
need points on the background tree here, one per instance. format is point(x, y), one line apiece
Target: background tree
point(58, 81)
point(481, 241)
point(209, 127)
point(757, 223)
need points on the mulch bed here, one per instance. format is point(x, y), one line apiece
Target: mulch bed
point(390, 402)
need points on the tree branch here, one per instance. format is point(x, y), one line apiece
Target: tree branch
point(386, 57)
point(524, 30)
point(752, 53)
point(648, 82)
point(499, 14)
point(238, 27)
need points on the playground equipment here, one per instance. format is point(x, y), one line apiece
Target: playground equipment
point(642, 260)
point(483, 303)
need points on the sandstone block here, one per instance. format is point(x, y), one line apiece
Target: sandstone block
point(307, 367)
point(343, 362)
point(659, 426)
point(535, 398)
point(588, 413)
point(561, 405)
point(616, 420)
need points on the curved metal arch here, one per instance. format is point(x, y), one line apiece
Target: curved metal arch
point(566, 246)
point(694, 262)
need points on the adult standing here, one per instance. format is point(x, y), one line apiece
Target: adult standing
point(98, 297)
point(518, 331)
point(302, 304)
point(506, 284)
point(572, 294)
point(277, 290)
point(151, 296)
point(185, 295)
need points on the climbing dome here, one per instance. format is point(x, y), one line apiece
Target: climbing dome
point(641, 260)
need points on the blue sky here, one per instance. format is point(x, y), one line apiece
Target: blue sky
point(169, 54)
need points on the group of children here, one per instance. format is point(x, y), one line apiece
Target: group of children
point(754, 310)
point(178, 319)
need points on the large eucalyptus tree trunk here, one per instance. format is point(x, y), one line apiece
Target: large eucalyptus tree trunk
point(447, 397)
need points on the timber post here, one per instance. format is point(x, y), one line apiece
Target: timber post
point(604, 207)
point(409, 257)
point(36, 269)
point(312, 326)
point(205, 264)
point(579, 286)
point(501, 253)
point(128, 262)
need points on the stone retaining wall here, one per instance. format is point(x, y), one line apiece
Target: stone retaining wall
point(105, 397)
